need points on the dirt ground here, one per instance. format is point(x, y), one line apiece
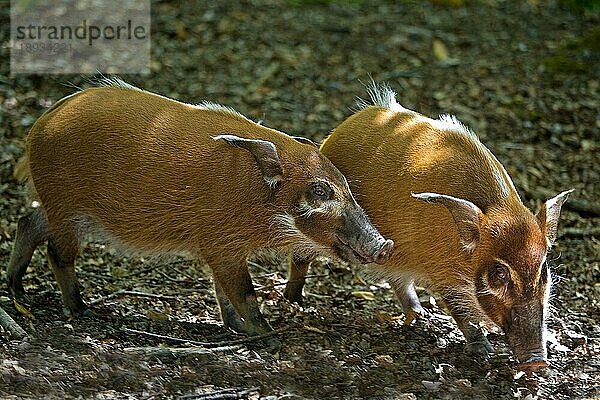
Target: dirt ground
point(524, 75)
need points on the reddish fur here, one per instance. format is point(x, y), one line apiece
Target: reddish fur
point(389, 153)
point(147, 169)
point(156, 175)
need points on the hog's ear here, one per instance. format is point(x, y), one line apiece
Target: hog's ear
point(548, 215)
point(264, 153)
point(466, 216)
point(304, 140)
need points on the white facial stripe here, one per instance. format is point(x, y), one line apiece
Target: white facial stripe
point(547, 292)
point(501, 261)
point(306, 210)
point(543, 262)
point(286, 233)
point(349, 192)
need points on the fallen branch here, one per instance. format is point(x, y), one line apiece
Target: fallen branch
point(144, 294)
point(253, 264)
point(233, 342)
point(131, 293)
point(318, 296)
point(11, 326)
point(103, 298)
point(578, 232)
point(233, 393)
point(161, 351)
point(273, 285)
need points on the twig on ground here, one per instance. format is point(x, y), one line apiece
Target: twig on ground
point(272, 285)
point(318, 296)
point(98, 276)
point(209, 344)
point(144, 294)
point(10, 325)
point(266, 275)
point(141, 271)
point(104, 298)
point(233, 393)
point(252, 263)
point(177, 351)
point(578, 232)
point(131, 293)
point(167, 277)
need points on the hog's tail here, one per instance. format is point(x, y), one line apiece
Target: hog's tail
point(22, 171)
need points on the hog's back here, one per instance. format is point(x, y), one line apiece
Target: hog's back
point(386, 155)
point(146, 168)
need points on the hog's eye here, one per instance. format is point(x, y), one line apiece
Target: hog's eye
point(321, 190)
point(498, 276)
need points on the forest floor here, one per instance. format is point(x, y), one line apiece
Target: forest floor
point(524, 75)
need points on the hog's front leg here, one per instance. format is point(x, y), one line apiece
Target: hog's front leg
point(235, 292)
point(405, 291)
point(229, 315)
point(297, 269)
point(477, 343)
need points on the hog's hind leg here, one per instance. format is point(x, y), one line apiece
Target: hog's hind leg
point(32, 230)
point(62, 250)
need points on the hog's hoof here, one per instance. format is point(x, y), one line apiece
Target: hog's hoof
point(21, 298)
point(480, 349)
point(413, 314)
point(534, 363)
point(270, 344)
point(83, 312)
point(293, 295)
point(233, 322)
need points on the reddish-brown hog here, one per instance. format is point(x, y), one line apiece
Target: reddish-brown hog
point(159, 176)
point(459, 226)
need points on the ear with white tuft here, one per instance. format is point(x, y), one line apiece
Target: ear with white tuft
point(264, 153)
point(466, 216)
point(549, 213)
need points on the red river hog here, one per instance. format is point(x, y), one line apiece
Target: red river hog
point(458, 224)
point(158, 176)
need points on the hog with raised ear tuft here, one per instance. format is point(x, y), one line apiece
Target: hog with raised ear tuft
point(459, 226)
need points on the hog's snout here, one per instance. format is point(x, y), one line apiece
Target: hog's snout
point(377, 251)
point(385, 251)
point(357, 240)
point(526, 335)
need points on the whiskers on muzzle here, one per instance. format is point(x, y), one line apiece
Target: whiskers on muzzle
point(285, 233)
